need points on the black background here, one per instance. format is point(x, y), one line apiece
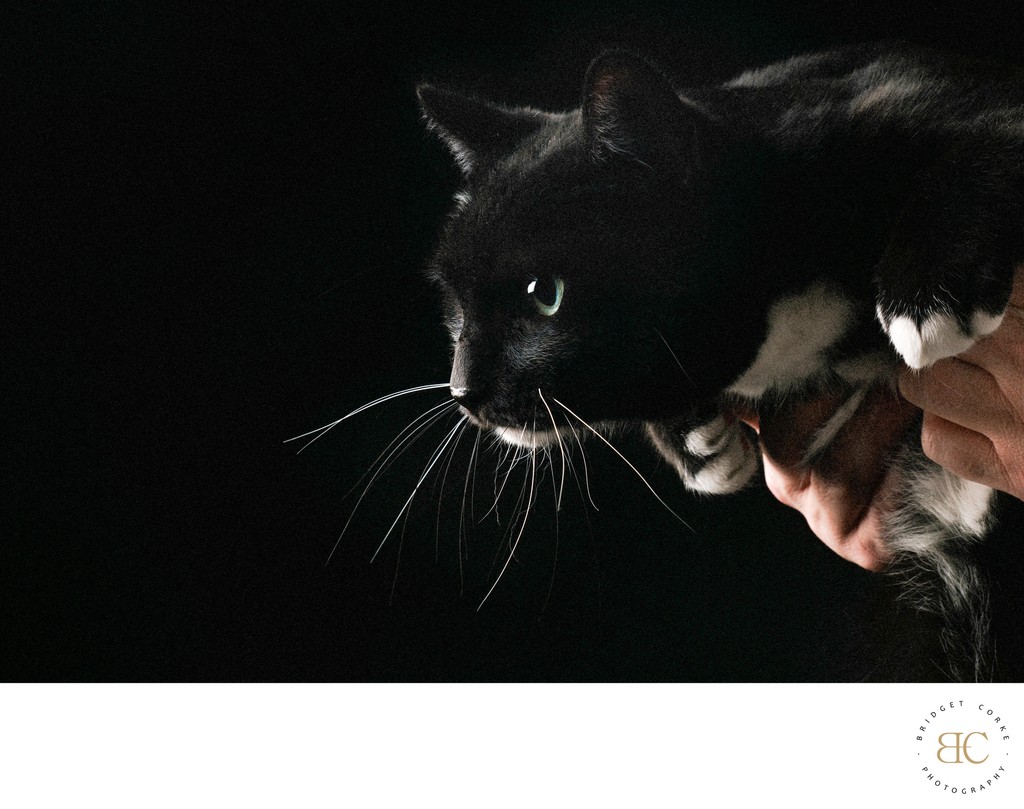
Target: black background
point(219, 220)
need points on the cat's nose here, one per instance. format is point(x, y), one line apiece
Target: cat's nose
point(469, 398)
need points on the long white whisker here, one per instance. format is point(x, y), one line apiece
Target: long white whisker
point(673, 353)
point(522, 528)
point(586, 468)
point(399, 449)
point(497, 495)
point(626, 461)
point(561, 448)
point(554, 562)
point(440, 494)
point(470, 468)
point(401, 439)
point(430, 465)
point(323, 430)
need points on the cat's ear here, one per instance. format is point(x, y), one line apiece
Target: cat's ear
point(630, 109)
point(475, 131)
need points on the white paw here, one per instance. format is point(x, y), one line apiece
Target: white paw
point(939, 336)
point(708, 438)
point(733, 459)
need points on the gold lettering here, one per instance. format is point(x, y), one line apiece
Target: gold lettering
point(944, 746)
point(966, 745)
point(960, 746)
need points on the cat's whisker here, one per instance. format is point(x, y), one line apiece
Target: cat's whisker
point(430, 465)
point(320, 432)
point(673, 353)
point(626, 461)
point(401, 446)
point(554, 562)
point(440, 494)
point(404, 441)
point(517, 512)
point(497, 472)
point(519, 452)
point(470, 468)
point(586, 469)
point(522, 528)
point(561, 448)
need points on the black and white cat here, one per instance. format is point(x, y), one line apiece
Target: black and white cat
point(657, 255)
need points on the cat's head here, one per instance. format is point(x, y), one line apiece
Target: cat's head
point(569, 266)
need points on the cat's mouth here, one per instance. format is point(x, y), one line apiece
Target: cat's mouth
point(522, 435)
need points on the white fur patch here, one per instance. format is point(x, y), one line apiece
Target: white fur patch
point(939, 336)
point(728, 473)
point(983, 324)
point(801, 329)
point(936, 511)
point(520, 437)
point(958, 503)
point(708, 439)
point(735, 465)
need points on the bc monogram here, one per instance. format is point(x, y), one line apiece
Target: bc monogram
point(962, 745)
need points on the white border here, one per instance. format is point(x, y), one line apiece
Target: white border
point(477, 745)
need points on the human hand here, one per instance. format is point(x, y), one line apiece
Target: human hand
point(974, 405)
point(844, 490)
point(973, 425)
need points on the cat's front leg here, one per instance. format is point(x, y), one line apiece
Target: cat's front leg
point(716, 455)
point(945, 277)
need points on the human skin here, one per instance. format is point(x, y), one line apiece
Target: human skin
point(974, 405)
point(973, 425)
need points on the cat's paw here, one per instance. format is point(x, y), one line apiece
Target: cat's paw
point(939, 295)
point(924, 337)
point(945, 277)
point(716, 457)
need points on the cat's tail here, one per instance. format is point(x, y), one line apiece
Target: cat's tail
point(937, 517)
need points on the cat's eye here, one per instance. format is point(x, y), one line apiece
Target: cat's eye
point(546, 294)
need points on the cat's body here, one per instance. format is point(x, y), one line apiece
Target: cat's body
point(656, 256)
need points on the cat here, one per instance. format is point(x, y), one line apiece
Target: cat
point(656, 256)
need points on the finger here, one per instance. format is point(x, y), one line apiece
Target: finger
point(1002, 352)
point(1017, 292)
point(962, 451)
point(959, 392)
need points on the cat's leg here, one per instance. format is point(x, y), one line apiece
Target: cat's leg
point(713, 455)
point(945, 278)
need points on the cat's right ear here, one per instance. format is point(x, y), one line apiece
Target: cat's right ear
point(475, 131)
point(631, 109)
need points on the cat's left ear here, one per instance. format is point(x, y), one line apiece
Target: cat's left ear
point(476, 131)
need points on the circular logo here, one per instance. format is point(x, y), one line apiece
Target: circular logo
point(963, 747)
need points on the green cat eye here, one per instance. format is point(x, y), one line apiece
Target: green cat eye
point(546, 294)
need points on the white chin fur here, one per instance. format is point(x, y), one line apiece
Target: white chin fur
point(525, 437)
